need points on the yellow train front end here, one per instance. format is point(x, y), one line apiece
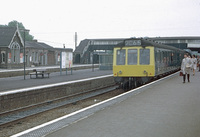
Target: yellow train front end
point(134, 61)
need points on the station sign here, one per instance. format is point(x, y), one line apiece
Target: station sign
point(67, 59)
point(133, 42)
point(22, 58)
point(105, 42)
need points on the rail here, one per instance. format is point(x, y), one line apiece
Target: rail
point(28, 111)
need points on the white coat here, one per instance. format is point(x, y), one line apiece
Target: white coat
point(194, 63)
point(186, 62)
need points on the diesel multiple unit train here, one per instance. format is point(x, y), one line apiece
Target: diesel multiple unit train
point(138, 61)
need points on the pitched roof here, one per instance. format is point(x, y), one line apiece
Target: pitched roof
point(38, 45)
point(6, 35)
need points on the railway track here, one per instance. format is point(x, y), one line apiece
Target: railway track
point(16, 115)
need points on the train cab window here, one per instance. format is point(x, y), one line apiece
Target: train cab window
point(132, 56)
point(144, 56)
point(121, 56)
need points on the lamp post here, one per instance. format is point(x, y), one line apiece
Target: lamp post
point(24, 30)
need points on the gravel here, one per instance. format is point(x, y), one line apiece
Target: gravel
point(33, 121)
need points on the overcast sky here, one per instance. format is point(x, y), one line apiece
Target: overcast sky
point(56, 21)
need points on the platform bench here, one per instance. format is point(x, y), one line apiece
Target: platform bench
point(38, 72)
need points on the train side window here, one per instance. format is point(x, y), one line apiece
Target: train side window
point(160, 56)
point(144, 56)
point(157, 56)
point(121, 56)
point(132, 56)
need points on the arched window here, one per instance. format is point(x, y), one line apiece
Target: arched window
point(15, 53)
point(3, 57)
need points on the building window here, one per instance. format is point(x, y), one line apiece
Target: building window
point(36, 57)
point(3, 57)
point(15, 52)
point(33, 57)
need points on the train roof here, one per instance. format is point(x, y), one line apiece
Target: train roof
point(144, 42)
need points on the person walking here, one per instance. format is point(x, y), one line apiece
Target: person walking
point(194, 64)
point(185, 67)
point(198, 62)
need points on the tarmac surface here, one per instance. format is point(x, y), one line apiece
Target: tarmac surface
point(168, 109)
point(18, 82)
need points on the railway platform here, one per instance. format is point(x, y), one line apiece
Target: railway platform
point(163, 108)
point(20, 72)
point(18, 82)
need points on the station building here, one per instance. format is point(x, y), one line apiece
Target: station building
point(36, 53)
point(42, 54)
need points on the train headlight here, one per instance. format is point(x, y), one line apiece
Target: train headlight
point(145, 72)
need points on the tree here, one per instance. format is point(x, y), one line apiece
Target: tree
point(14, 23)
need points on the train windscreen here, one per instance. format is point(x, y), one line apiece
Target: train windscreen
point(132, 56)
point(121, 56)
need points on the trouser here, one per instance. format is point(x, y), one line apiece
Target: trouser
point(188, 77)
